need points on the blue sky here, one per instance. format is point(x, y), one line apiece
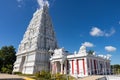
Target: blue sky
point(93, 23)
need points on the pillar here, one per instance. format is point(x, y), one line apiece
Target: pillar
point(52, 67)
point(56, 70)
point(89, 66)
point(76, 68)
point(84, 67)
point(77, 63)
point(72, 66)
point(61, 67)
point(65, 67)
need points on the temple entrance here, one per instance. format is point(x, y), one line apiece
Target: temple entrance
point(22, 63)
point(58, 67)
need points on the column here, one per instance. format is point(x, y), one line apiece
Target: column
point(77, 63)
point(72, 66)
point(90, 67)
point(52, 67)
point(97, 66)
point(56, 70)
point(93, 67)
point(65, 68)
point(109, 68)
point(105, 67)
point(84, 66)
point(75, 68)
point(61, 67)
point(53, 71)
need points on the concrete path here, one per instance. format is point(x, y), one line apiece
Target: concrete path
point(113, 77)
point(13, 77)
point(91, 77)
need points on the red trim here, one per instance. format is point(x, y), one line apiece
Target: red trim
point(77, 66)
point(72, 66)
point(84, 66)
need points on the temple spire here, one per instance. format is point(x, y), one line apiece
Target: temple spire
point(38, 39)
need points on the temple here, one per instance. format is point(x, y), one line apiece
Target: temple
point(33, 55)
point(79, 64)
point(39, 51)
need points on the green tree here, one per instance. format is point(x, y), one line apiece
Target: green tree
point(115, 69)
point(7, 58)
point(90, 52)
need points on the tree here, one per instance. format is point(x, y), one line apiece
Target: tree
point(90, 52)
point(7, 58)
point(115, 69)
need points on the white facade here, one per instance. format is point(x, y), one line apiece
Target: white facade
point(32, 55)
point(79, 64)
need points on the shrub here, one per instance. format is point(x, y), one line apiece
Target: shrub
point(59, 76)
point(6, 70)
point(17, 73)
point(43, 75)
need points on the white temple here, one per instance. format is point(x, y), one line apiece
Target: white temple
point(32, 55)
point(39, 51)
point(79, 64)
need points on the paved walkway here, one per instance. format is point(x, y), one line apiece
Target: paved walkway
point(13, 77)
point(16, 77)
point(113, 77)
point(91, 77)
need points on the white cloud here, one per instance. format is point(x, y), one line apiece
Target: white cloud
point(20, 3)
point(43, 2)
point(119, 22)
point(98, 32)
point(87, 44)
point(110, 48)
point(19, 6)
point(112, 31)
point(19, 0)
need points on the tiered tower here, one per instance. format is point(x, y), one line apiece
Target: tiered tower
point(33, 55)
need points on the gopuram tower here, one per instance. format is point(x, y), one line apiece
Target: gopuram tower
point(39, 38)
